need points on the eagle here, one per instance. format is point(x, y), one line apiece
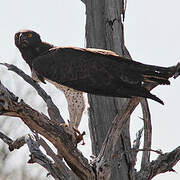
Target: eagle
point(26, 41)
point(94, 71)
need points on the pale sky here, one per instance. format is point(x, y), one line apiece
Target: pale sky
point(152, 36)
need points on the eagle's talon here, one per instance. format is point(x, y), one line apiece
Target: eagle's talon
point(79, 136)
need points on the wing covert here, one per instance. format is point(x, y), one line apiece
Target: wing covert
point(85, 70)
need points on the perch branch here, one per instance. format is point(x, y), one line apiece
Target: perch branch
point(61, 137)
point(147, 133)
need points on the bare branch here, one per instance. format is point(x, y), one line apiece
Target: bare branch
point(136, 151)
point(48, 150)
point(137, 142)
point(53, 111)
point(164, 163)
point(18, 143)
point(58, 169)
point(147, 133)
point(38, 157)
point(57, 159)
point(61, 137)
point(156, 151)
point(136, 145)
point(6, 139)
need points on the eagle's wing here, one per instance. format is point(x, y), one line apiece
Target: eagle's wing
point(94, 71)
point(82, 69)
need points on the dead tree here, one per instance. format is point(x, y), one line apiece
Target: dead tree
point(114, 158)
point(104, 29)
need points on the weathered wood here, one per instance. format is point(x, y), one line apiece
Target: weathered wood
point(104, 29)
point(162, 164)
point(147, 133)
point(37, 156)
point(59, 135)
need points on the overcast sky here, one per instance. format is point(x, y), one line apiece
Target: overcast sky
point(152, 36)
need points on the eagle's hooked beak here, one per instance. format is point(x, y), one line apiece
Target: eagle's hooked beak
point(23, 41)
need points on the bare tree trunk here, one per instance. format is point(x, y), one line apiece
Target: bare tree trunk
point(104, 30)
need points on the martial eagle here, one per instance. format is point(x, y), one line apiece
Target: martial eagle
point(88, 70)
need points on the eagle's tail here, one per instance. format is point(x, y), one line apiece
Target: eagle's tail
point(157, 74)
point(143, 92)
point(155, 98)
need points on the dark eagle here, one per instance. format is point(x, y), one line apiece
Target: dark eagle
point(88, 70)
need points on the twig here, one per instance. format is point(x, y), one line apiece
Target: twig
point(136, 145)
point(18, 143)
point(136, 150)
point(6, 139)
point(136, 142)
point(148, 150)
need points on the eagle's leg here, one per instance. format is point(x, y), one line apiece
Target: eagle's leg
point(76, 106)
point(79, 136)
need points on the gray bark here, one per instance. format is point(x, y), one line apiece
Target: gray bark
point(104, 30)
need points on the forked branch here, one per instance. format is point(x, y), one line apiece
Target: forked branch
point(59, 135)
point(164, 163)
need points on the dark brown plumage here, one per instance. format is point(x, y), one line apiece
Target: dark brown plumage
point(93, 71)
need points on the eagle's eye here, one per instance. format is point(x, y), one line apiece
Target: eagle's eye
point(29, 35)
point(17, 36)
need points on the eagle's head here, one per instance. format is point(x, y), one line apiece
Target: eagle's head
point(27, 39)
point(30, 45)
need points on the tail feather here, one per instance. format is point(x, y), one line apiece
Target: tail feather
point(143, 92)
point(160, 80)
point(156, 74)
point(155, 98)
